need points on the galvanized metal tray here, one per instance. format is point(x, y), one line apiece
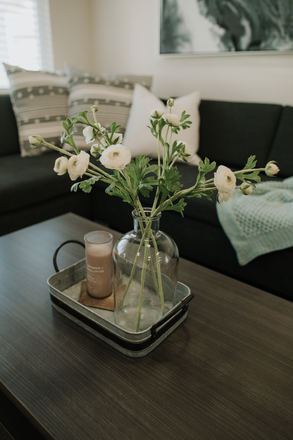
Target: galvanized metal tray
point(64, 288)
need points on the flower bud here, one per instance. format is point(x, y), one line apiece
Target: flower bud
point(95, 108)
point(156, 113)
point(271, 169)
point(35, 140)
point(246, 188)
point(170, 102)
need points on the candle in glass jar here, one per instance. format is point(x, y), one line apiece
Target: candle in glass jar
point(99, 263)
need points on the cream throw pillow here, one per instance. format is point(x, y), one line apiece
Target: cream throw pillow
point(138, 138)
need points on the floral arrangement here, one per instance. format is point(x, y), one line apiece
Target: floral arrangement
point(131, 178)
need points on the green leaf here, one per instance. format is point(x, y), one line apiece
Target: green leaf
point(178, 207)
point(74, 187)
point(254, 175)
point(251, 163)
point(145, 189)
point(170, 182)
point(113, 128)
point(85, 185)
point(184, 116)
point(206, 167)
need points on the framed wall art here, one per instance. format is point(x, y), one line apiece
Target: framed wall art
point(217, 27)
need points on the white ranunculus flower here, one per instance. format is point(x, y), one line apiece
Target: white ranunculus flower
point(61, 165)
point(115, 157)
point(172, 119)
point(224, 179)
point(156, 113)
point(88, 133)
point(77, 165)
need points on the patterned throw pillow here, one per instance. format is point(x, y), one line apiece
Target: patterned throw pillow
point(39, 101)
point(111, 93)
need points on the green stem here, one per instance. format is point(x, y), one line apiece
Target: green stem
point(159, 156)
point(149, 251)
point(249, 170)
point(142, 281)
point(60, 150)
point(98, 128)
point(133, 267)
point(160, 288)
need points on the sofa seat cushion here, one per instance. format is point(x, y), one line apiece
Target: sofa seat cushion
point(29, 180)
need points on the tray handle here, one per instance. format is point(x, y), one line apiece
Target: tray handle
point(177, 312)
point(58, 249)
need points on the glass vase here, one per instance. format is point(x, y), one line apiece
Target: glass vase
point(145, 274)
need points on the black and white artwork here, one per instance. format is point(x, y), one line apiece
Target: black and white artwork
point(197, 27)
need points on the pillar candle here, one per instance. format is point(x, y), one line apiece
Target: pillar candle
point(99, 263)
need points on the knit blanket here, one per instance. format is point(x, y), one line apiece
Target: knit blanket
point(261, 222)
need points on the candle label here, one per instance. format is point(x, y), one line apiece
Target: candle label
point(95, 269)
point(99, 275)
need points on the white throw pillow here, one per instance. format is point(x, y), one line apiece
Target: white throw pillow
point(138, 138)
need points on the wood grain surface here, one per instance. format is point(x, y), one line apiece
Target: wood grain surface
point(225, 373)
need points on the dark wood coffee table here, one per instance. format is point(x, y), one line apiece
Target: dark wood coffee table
point(225, 373)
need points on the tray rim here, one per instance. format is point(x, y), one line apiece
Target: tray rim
point(134, 344)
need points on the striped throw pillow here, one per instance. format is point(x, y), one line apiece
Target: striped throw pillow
point(111, 93)
point(40, 103)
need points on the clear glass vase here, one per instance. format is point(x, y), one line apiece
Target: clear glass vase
point(145, 274)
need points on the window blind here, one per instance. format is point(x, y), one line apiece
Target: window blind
point(25, 36)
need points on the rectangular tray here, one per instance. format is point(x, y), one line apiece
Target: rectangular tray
point(64, 288)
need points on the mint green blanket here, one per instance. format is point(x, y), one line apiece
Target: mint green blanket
point(261, 222)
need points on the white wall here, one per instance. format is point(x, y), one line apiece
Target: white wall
point(122, 36)
point(125, 36)
point(72, 32)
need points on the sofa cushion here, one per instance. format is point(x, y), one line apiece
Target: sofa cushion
point(29, 180)
point(138, 138)
point(39, 102)
point(8, 128)
point(282, 150)
point(111, 93)
point(232, 131)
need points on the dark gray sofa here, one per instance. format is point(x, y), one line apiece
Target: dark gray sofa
point(229, 132)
